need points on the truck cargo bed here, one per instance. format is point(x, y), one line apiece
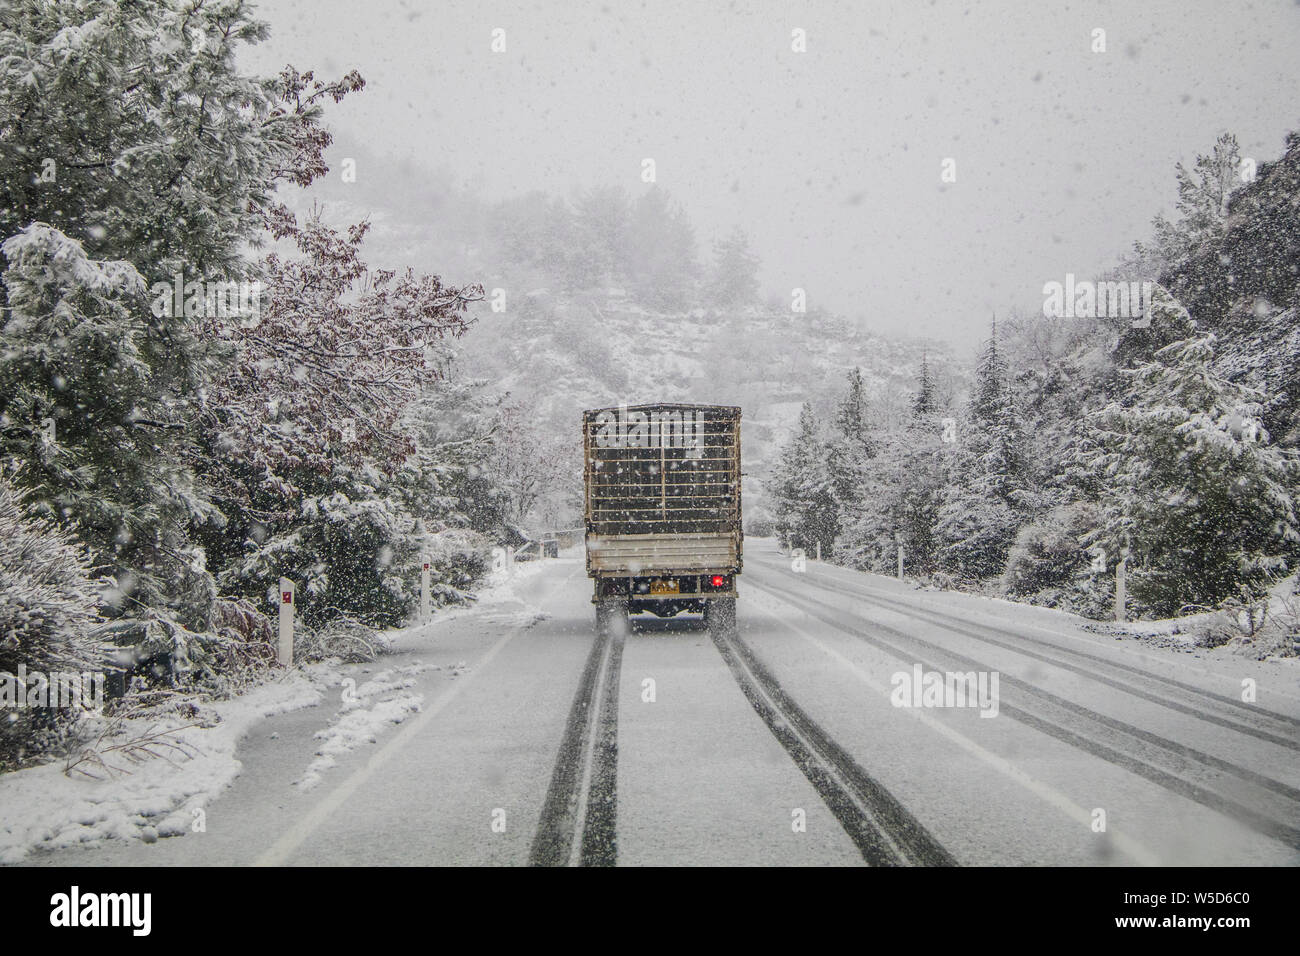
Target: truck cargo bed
point(662, 488)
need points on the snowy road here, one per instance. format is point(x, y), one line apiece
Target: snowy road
point(778, 744)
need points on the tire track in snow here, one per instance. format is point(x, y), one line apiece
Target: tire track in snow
point(579, 816)
point(973, 630)
point(880, 827)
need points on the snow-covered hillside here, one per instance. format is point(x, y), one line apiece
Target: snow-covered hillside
point(559, 354)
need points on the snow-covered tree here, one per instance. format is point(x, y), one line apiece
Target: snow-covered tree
point(347, 542)
point(1051, 562)
point(80, 404)
point(48, 619)
point(850, 444)
point(1192, 484)
point(354, 535)
point(1165, 321)
point(981, 514)
point(660, 258)
point(1242, 271)
point(734, 280)
point(1203, 195)
point(132, 151)
point(926, 402)
point(802, 491)
point(305, 436)
point(449, 481)
point(129, 128)
point(526, 463)
point(323, 372)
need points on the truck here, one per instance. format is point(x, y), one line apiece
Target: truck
point(662, 511)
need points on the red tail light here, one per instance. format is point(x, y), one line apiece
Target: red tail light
point(719, 580)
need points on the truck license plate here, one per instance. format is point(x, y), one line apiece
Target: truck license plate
point(664, 587)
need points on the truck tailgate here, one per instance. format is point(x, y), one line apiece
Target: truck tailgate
point(642, 554)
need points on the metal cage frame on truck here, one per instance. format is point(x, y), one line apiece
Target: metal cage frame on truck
point(662, 508)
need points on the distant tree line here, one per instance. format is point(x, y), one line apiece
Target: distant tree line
point(646, 246)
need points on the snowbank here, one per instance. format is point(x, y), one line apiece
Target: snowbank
point(45, 808)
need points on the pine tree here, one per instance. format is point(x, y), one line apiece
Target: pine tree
point(851, 445)
point(1248, 261)
point(806, 511)
point(1192, 484)
point(902, 488)
point(851, 415)
point(81, 405)
point(980, 515)
point(925, 402)
point(1204, 195)
point(997, 439)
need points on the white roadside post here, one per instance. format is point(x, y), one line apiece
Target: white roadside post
point(424, 590)
point(900, 562)
point(1121, 587)
point(819, 550)
point(285, 650)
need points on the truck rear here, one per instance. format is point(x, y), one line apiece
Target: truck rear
point(663, 528)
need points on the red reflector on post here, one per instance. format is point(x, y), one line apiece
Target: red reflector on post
point(719, 580)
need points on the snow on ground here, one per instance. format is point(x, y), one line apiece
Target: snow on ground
point(500, 587)
point(1176, 632)
point(1280, 619)
point(365, 710)
point(1155, 640)
point(45, 808)
point(1185, 633)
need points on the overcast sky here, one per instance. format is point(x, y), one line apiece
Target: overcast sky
point(829, 159)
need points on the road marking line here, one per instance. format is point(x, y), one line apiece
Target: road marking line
point(296, 835)
point(280, 851)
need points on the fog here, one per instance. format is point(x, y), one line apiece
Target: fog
point(830, 159)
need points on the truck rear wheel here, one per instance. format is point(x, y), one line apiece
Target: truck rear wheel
point(610, 615)
point(720, 615)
